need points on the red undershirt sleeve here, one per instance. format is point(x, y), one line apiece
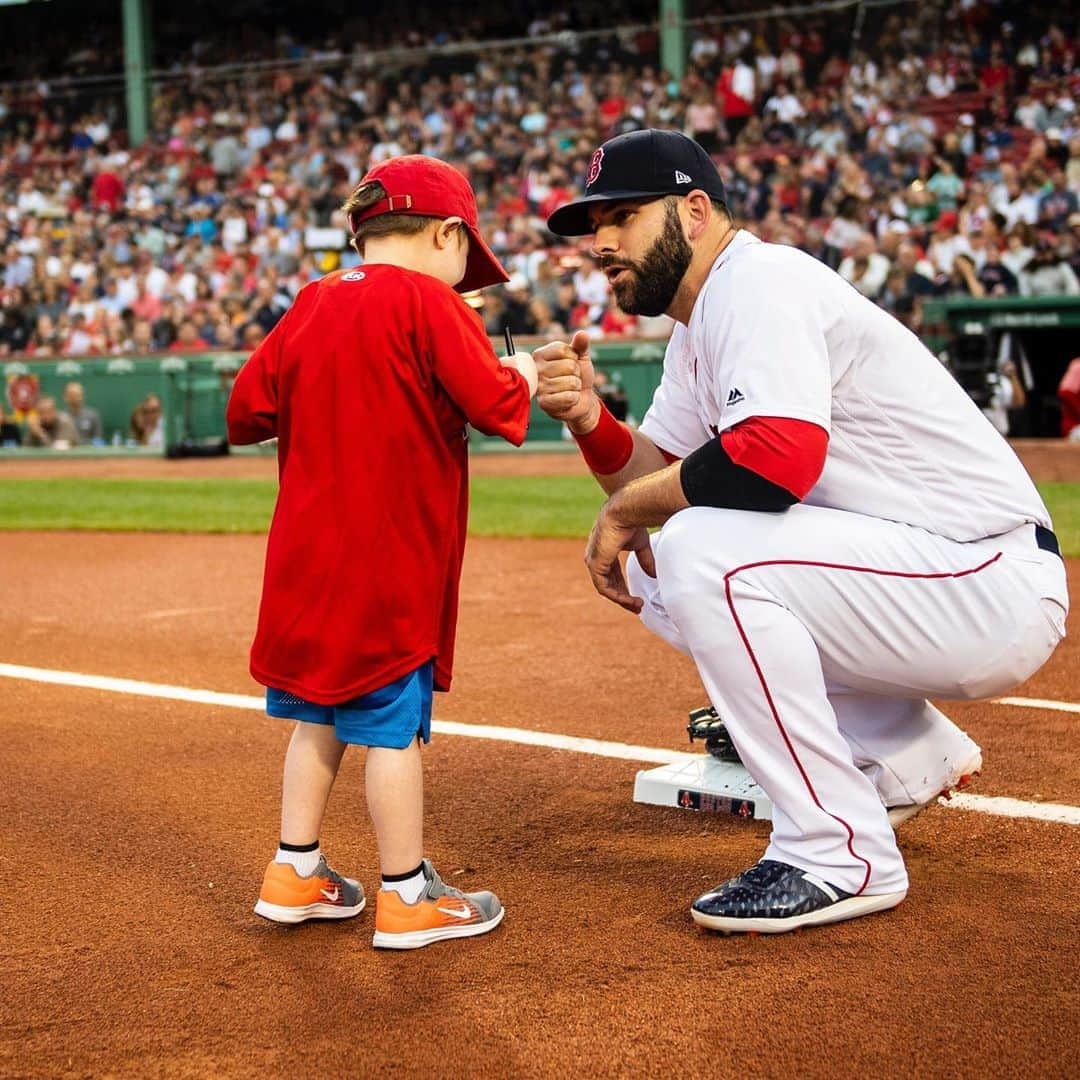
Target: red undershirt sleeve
point(788, 453)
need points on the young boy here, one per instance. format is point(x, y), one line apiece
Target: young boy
point(368, 382)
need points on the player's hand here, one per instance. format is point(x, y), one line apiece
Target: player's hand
point(608, 538)
point(564, 388)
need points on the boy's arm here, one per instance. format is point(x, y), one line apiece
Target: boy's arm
point(494, 395)
point(251, 415)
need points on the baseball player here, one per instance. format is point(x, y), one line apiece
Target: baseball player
point(844, 533)
point(368, 382)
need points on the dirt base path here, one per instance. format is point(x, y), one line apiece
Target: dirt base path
point(135, 834)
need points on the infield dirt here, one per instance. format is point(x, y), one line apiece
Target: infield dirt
point(135, 833)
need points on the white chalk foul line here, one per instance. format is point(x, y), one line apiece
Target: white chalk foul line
point(1038, 703)
point(1003, 807)
point(596, 747)
point(984, 804)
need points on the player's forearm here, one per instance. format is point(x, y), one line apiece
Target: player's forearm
point(615, 453)
point(649, 499)
point(645, 460)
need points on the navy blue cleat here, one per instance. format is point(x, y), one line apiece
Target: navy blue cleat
point(773, 897)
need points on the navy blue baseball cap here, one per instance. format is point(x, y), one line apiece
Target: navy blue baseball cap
point(639, 165)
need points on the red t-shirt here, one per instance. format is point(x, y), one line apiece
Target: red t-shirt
point(368, 381)
point(108, 190)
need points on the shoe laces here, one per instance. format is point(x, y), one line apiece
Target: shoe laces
point(763, 874)
point(324, 870)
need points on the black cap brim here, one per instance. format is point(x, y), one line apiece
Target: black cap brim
point(573, 218)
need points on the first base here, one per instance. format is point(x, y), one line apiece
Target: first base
point(706, 784)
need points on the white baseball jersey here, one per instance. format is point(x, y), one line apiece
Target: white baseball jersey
point(774, 332)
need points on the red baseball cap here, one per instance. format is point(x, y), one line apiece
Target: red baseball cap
point(416, 184)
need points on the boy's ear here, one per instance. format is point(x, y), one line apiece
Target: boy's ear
point(445, 232)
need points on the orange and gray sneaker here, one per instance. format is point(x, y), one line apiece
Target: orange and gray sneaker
point(286, 897)
point(440, 912)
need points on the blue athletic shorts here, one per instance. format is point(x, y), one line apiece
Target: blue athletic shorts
point(391, 716)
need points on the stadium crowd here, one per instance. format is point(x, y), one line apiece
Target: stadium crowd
point(942, 159)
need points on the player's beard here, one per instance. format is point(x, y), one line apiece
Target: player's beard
point(650, 286)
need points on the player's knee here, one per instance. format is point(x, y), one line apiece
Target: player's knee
point(689, 550)
point(689, 567)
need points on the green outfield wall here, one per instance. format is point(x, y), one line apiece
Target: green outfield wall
point(195, 387)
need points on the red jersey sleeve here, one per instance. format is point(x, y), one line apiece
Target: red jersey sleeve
point(251, 415)
point(494, 399)
point(788, 453)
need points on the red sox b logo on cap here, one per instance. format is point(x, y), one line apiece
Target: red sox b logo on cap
point(594, 167)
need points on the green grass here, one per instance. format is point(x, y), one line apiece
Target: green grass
point(501, 506)
point(1063, 502)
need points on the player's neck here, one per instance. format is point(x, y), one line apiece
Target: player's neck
point(682, 307)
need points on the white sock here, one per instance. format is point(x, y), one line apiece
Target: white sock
point(409, 888)
point(303, 862)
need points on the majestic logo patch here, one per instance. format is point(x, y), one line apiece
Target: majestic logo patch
point(682, 178)
point(735, 396)
point(594, 167)
point(353, 275)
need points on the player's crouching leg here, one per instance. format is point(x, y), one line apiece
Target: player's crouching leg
point(832, 854)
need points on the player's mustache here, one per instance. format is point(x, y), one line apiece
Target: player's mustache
point(607, 261)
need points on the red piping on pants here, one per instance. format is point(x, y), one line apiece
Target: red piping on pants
point(765, 686)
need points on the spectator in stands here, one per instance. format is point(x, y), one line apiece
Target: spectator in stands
point(546, 326)
point(963, 280)
point(1057, 204)
point(866, 268)
point(615, 322)
point(80, 340)
point(995, 277)
point(188, 339)
point(703, 120)
point(87, 421)
point(736, 89)
point(147, 422)
point(15, 323)
point(268, 305)
point(1006, 394)
point(1048, 273)
point(612, 395)
point(10, 434)
point(1019, 249)
point(220, 197)
point(947, 187)
point(48, 426)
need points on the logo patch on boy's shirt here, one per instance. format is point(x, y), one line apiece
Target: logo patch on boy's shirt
point(735, 396)
point(354, 275)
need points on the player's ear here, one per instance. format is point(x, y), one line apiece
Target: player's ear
point(698, 210)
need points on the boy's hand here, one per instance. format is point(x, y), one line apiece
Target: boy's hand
point(523, 363)
point(565, 383)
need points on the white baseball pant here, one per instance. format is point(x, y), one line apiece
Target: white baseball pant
point(819, 634)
